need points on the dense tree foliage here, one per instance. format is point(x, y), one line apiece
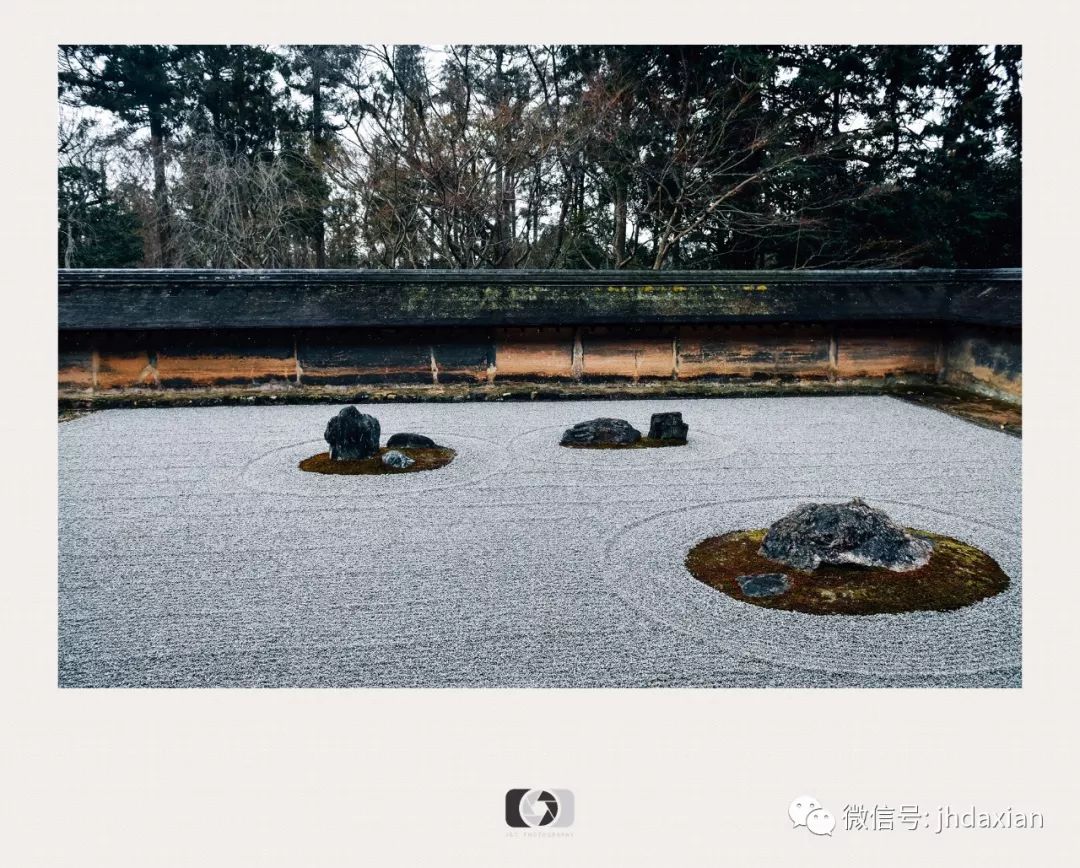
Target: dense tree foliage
point(528, 156)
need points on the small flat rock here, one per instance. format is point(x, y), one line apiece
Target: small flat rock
point(764, 584)
point(352, 435)
point(407, 440)
point(602, 431)
point(843, 533)
point(668, 426)
point(400, 460)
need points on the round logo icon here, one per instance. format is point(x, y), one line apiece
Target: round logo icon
point(538, 808)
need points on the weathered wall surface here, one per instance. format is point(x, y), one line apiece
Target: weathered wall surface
point(985, 360)
point(854, 327)
point(224, 299)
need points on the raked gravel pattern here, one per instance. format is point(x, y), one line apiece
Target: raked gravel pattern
point(194, 552)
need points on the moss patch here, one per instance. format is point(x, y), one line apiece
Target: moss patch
point(956, 576)
point(428, 458)
point(643, 443)
point(67, 414)
point(981, 410)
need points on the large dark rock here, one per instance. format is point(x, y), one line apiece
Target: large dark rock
point(352, 435)
point(410, 441)
point(601, 432)
point(668, 426)
point(843, 533)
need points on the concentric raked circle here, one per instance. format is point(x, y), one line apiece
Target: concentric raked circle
point(645, 565)
point(277, 471)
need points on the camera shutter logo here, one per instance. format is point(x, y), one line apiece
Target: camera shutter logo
point(536, 808)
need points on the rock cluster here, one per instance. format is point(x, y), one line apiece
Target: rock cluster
point(352, 435)
point(843, 533)
point(668, 426)
point(601, 432)
point(618, 432)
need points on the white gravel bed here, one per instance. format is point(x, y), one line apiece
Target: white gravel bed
point(194, 552)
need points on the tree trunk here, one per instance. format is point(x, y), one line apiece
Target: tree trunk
point(661, 255)
point(69, 247)
point(503, 176)
point(508, 206)
point(162, 219)
point(317, 149)
point(560, 227)
point(618, 245)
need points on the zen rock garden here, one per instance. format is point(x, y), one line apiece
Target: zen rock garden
point(821, 558)
point(353, 438)
point(665, 429)
point(845, 559)
point(737, 560)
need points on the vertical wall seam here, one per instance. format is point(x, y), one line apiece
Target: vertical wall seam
point(493, 359)
point(151, 367)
